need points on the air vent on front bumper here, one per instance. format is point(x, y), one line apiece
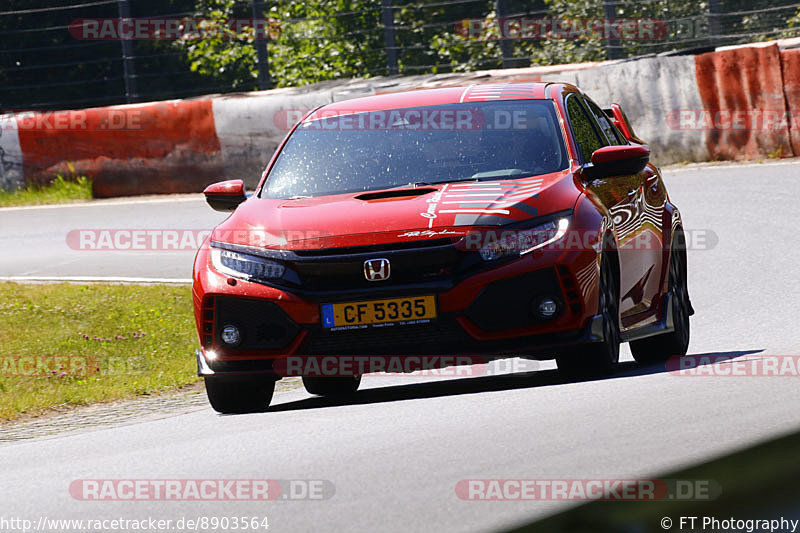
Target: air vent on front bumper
point(263, 325)
point(508, 303)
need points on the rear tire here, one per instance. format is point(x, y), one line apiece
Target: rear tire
point(239, 395)
point(598, 359)
point(331, 386)
point(659, 348)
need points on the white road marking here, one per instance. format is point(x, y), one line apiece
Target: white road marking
point(93, 279)
point(109, 203)
point(50, 267)
point(695, 167)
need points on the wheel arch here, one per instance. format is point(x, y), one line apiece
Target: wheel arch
point(609, 247)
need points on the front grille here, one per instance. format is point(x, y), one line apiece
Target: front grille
point(263, 325)
point(346, 272)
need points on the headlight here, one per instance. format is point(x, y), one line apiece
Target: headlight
point(522, 241)
point(245, 265)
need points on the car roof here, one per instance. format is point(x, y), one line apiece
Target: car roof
point(444, 96)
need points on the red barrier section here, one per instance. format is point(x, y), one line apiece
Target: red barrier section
point(742, 95)
point(167, 147)
point(790, 64)
point(750, 98)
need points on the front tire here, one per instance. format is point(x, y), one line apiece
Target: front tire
point(239, 395)
point(598, 359)
point(659, 348)
point(331, 386)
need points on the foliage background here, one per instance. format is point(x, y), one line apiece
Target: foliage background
point(43, 66)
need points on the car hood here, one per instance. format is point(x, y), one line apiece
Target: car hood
point(378, 217)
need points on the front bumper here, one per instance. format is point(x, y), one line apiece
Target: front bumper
point(488, 313)
point(542, 346)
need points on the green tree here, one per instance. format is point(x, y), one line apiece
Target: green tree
point(43, 65)
point(308, 42)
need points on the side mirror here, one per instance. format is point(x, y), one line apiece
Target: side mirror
point(225, 195)
point(621, 160)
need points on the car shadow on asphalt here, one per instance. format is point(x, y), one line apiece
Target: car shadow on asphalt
point(476, 385)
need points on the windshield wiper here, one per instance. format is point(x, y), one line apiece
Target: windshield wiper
point(502, 173)
point(479, 176)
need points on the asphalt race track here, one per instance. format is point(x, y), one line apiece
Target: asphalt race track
point(396, 452)
point(38, 238)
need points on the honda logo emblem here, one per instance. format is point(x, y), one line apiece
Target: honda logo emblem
point(377, 269)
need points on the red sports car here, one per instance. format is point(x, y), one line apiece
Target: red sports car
point(485, 221)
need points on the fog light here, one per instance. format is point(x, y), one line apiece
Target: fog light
point(547, 308)
point(230, 335)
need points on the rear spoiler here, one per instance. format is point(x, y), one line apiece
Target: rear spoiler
point(620, 120)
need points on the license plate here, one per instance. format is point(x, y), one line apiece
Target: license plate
point(396, 311)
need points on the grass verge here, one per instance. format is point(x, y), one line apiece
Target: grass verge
point(66, 344)
point(59, 191)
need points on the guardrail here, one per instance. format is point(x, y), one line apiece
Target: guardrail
point(735, 103)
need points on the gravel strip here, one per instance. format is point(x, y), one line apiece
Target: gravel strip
point(61, 421)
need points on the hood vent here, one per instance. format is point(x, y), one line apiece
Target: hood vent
point(394, 193)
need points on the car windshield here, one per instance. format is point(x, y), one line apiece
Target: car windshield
point(418, 146)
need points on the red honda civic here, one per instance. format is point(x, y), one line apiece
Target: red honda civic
point(488, 221)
